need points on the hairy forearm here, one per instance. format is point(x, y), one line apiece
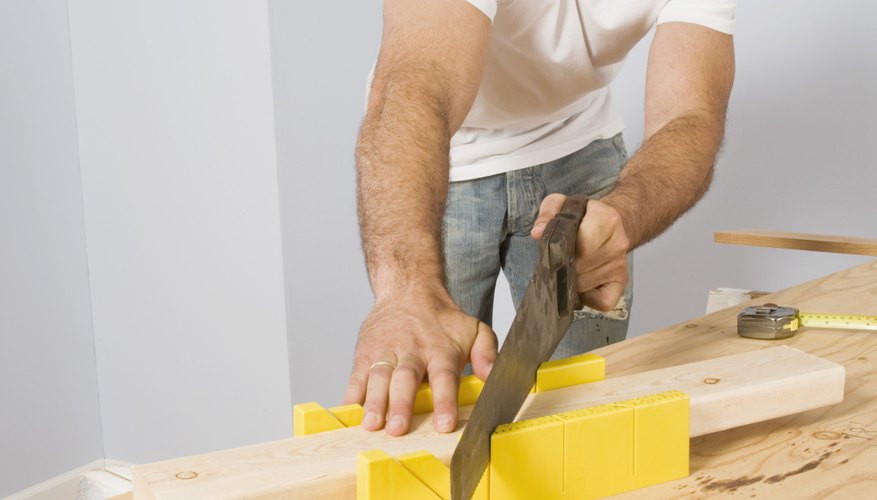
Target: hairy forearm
point(402, 184)
point(667, 176)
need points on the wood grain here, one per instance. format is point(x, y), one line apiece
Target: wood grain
point(822, 453)
point(799, 241)
point(826, 453)
point(725, 393)
point(128, 495)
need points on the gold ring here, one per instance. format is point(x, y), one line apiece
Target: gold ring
point(384, 363)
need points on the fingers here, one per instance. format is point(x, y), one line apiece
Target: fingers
point(444, 380)
point(397, 343)
point(356, 385)
point(550, 206)
point(601, 252)
point(391, 392)
point(601, 257)
point(602, 288)
point(406, 378)
point(483, 353)
point(604, 297)
point(376, 396)
point(601, 235)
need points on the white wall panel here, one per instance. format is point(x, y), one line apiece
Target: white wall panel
point(175, 119)
point(321, 53)
point(49, 410)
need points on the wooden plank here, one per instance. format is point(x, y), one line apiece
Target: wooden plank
point(725, 392)
point(799, 241)
point(827, 453)
point(824, 453)
point(721, 298)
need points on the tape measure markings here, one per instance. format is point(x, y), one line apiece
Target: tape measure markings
point(842, 321)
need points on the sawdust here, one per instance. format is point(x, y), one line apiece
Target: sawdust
point(730, 485)
point(800, 470)
point(709, 484)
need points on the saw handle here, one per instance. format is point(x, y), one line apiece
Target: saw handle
point(560, 234)
point(565, 223)
point(574, 208)
point(558, 242)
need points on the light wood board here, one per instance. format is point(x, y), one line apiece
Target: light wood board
point(828, 453)
point(799, 241)
point(822, 453)
point(725, 392)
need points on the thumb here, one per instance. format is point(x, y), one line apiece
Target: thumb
point(549, 208)
point(483, 352)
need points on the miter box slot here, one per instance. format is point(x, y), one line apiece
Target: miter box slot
point(418, 475)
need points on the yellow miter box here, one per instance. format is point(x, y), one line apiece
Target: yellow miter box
point(582, 454)
point(593, 452)
point(412, 476)
point(311, 418)
point(567, 372)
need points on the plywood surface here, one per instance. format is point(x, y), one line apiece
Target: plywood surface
point(820, 453)
point(724, 393)
point(827, 453)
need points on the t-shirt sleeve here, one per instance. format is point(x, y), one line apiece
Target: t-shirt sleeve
point(488, 7)
point(715, 14)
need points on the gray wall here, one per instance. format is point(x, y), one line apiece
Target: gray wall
point(797, 157)
point(176, 138)
point(320, 60)
point(141, 282)
point(141, 224)
point(49, 410)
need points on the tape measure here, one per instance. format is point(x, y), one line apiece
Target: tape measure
point(773, 322)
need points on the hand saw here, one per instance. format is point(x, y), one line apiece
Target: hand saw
point(540, 323)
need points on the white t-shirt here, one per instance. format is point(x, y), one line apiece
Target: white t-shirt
point(544, 92)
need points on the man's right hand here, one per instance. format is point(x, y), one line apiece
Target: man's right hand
point(407, 335)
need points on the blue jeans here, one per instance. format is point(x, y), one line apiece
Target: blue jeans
point(487, 225)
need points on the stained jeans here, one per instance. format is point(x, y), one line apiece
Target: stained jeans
point(487, 227)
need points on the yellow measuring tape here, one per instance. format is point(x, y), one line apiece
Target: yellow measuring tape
point(843, 321)
point(771, 321)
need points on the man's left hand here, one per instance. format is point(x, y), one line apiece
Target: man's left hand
point(601, 251)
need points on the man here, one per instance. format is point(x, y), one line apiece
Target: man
point(508, 101)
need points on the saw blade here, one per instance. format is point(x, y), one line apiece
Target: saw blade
point(539, 325)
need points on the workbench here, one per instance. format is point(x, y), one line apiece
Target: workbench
point(824, 453)
point(829, 452)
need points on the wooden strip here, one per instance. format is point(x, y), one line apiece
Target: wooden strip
point(725, 392)
point(799, 241)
